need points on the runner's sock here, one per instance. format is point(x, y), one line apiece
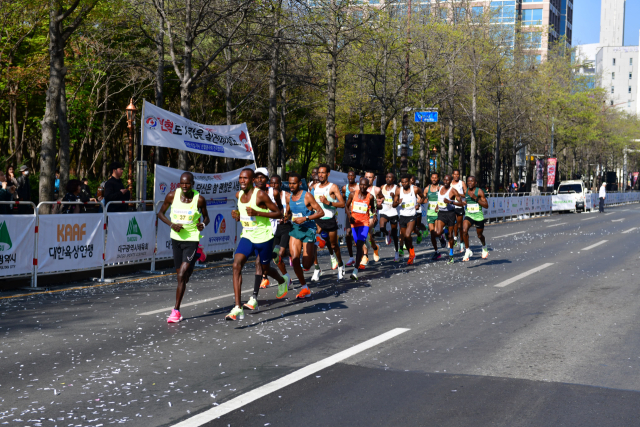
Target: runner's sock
point(316, 266)
point(304, 287)
point(450, 251)
point(340, 264)
point(412, 252)
point(256, 285)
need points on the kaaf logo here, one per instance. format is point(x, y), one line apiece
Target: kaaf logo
point(219, 224)
point(244, 140)
point(71, 232)
point(5, 239)
point(150, 122)
point(133, 230)
point(163, 187)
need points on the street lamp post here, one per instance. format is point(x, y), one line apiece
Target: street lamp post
point(131, 117)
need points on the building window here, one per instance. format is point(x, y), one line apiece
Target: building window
point(613, 89)
point(629, 89)
point(630, 75)
point(477, 11)
point(532, 17)
point(505, 11)
point(613, 76)
point(630, 61)
point(614, 61)
point(531, 1)
point(532, 40)
point(612, 103)
point(628, 104)
point(459, 14)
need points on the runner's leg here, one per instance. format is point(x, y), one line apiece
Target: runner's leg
point(394, 235)
point(239, 260)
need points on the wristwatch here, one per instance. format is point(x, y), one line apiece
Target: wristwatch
point(307, 217)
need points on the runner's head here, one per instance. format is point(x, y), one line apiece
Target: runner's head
point(364, 184)
point(186, 183)
point(261, 178)
point(447, 181)
point(294, 182)
point(314, 172)
point(405, 181)
point(275, 182)
point(390, 178)
point(456, 175)
point(435, 178)
point(370, 176)
point(351, 177)
point(314, 178)
point(323, 173)
point(412, 179)
point(246, 179)
point(471, 182)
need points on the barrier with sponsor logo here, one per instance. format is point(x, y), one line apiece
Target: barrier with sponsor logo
point(17, 234)
point(131, 237)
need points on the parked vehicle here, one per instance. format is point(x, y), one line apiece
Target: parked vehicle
point(570, 196)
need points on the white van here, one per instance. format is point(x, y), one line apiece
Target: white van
point(571, 195)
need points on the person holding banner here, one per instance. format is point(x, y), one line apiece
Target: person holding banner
point(347, 189)
point(255, 208)
point(359, 206)
point(386, 199)
point(303, 209)
point(475, 200)
point(189, 217)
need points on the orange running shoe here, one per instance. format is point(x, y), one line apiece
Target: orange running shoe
point(410, 260)
point(376, 257)
point(364, 262)
point(304, 293)
point(264, 283)
point(320, 241)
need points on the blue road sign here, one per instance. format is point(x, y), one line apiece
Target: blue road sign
point(426, 116)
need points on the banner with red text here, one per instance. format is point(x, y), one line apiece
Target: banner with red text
point(552, 165)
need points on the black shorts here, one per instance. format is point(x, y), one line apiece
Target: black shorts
point(184, 252)
point(390, 219)
point(281, 236)
point(418, 216)
point(405, 220)
point(459, 211)
point(327, 225)
point(447, 217)
point(477, 224)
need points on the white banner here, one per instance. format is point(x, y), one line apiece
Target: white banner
point(217, 189)
point(563, 202)
point(131, 236)
point(70, 242)
point(588, 202)
point(527, 204)
point(16, 244)
point(162, 128)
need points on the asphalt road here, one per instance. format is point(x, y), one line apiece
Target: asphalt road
point(556, 344)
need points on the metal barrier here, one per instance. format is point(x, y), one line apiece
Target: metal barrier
point(4, 259)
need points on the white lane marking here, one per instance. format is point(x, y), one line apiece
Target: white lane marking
point(554, 225)
point(551, 220)
point(523, 275)
point(617, 220)
point(609, 213)
point(630, 230)
point(253, 395)
point(507, 235)
point(593, 246)
point(164, 310)
point(585, 219)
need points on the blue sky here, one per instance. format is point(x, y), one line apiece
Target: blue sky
point(586, 22)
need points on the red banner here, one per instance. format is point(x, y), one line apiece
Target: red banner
point(551, 172)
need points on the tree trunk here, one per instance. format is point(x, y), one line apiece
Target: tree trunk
point(496, 156)
point(185, 84)
point(283, 126)
point(228, 88)
point(423, 154)
point(474, 121)
point(443, 151)
point(24, 130)
point(451, 146)
point(159, 87)
point(331, 108)
point(361, 122)
point(273, 103)
point(395, 158)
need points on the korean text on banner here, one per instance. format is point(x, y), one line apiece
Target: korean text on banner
point(16, 244)
point(131, 236)
point(563, 202)
point(162, 128)
point(70, 242)
point(551, 172)
point(220, 234)
point(217, 189)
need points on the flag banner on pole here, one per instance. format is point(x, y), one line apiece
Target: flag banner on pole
point(552, 164)
point(162, 128)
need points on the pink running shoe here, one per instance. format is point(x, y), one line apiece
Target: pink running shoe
point(175, 316)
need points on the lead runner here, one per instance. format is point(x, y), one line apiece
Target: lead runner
point(187, 207)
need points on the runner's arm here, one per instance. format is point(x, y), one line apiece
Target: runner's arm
point(310, 201)
point(163, 209)
point(338, 195)
point(235, 214)
point(202, 205)
point(347, 206)
point(482, 200)
point(457, 199)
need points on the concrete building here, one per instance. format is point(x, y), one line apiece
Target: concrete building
point(612, 22)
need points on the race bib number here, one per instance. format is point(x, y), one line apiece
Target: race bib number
point(433, 205)
point(297, 215)
point(248, 222)
point(388, 201)
point(359, 207)
point(409, 205)
point(182, 216)
point(442, 204)
point(475, 208)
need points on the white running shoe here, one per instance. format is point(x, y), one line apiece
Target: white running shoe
point(340, 272)
point(468, 254)
point(334, 262)
point(350, 262)
point(316, 275)
point(396, 258)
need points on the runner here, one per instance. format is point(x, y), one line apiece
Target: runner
point(432, 213)
point(387, 199)
point(347, 189)
point(187, 208)
point(407, 200)
point(330, 197)
point(260, 179)
point(461, 188)
point(359, 213)
point(420, 228)
point(475, 200)
point(281, 227)
point(255, 208)
point(300, 207)
point(448, 197)
point(373, 218)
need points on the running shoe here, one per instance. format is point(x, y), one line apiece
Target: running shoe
point(451, 260)
point(354, 275)
point(419, 239)
point(401, 252)
point(456, 243)
point(350, 262)
point(237, 313)
point(376, 255)
point(387, 239)
point(264, 283)
point(396, 258)
point(485, 253)
point(320, 242)
point(316, 275)
point(364, 262)
point(304, 293)
point(410, 260)
point(436, 256)
point(467, 255)
point(340, 272)
point(334, 262)
point(175, 316)
point(443, 242)
point(252, 304)
point(283, 287)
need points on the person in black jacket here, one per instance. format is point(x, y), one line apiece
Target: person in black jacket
point(24, 191)
point(114, 189)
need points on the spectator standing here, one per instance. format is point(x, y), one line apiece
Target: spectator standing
point(602, 196)
point(114, 190)
point(11, 176)
point(74, 188)
point(56, 185)
point(24, 190)
point(7, 191)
